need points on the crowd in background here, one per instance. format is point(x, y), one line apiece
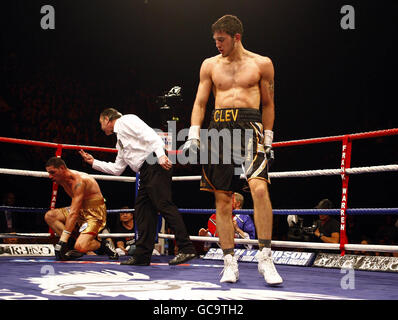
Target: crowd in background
point(63, 109)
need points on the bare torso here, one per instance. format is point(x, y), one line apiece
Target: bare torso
point(242, 79)
point(91, 187)
point(237, 83)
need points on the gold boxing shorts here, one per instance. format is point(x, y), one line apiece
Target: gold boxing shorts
point(92, 216)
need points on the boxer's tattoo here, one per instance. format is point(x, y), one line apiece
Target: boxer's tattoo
point(271, 86)
point(78, 185)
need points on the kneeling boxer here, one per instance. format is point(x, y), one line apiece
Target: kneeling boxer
point(79, 224)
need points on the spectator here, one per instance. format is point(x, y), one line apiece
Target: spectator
point(125, 246)
point(354, 233)
point(328, 228)
point(243, 224)
point(7, 221)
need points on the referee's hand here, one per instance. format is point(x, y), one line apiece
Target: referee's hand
point(87, 157)
point(165, 162)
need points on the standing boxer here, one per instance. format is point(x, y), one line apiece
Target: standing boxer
point(242, 82)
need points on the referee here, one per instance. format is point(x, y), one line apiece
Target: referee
point(141, 148)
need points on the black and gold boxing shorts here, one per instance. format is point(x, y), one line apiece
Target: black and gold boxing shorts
point(234, 145)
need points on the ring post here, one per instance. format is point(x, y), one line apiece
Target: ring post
point(345, 164)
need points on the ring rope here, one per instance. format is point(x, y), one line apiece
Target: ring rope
point(286, 174)
point(354, 211)
point(352, 136)
point(55, 145)
point(44, 174)
point(274, 243)
point(339, 138)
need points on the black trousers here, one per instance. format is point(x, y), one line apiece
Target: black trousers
point(154, 196)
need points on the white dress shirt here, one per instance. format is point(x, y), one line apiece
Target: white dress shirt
point(135, 142)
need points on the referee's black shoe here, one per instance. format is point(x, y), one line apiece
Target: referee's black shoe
point(181, 258)
point(133, 261)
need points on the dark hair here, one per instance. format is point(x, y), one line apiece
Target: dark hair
point(55, 162)
point(111, 113)
point(324, 204)
point(229, 24)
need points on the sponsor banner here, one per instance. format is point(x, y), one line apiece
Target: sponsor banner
point(357, 262)
point(279, 257)
point(27, 250)
point(293, 258)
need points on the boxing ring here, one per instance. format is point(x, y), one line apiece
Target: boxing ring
point(30, 272)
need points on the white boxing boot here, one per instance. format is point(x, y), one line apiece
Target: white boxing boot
point(230, 271)
point(267, 268)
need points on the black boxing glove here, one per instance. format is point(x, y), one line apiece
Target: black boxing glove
point(61, 248)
